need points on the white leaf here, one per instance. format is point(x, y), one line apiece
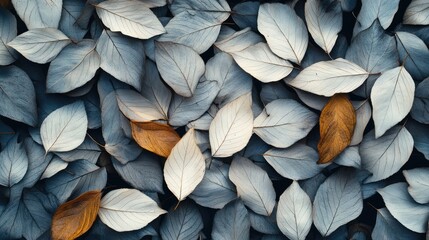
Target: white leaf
point(154, 3)
point(55, 166)
point(330, 77)
point(8, 31)
point(254, 186)
point(135, 107)
point(231, 128)
point(294, 212)
point(180, 67)
point(283, 122)
point(274, 22)
point(14, 163)
point(261, 63)
point(40, 45)
point(384, 156)
point(392, 98)
point(128, 209)
point(65, 128)
point(40, 13)
point(324, 21)
point(417, 13)
point(363, 115)
point(237, 41)
point(179, 6)
point(184, 168)
point(130, 17)
point(418, 179)
point(383, 10)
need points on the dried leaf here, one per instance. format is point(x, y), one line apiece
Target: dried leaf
point(156, 137)
point(337, 122)
point(73, 218)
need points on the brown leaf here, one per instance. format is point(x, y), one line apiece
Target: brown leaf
point(155, 137)
point(73, 218)
point(337, 122)
point(5, 3)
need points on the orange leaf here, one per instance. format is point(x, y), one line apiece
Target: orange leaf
point(337, 123)
point(155, 137)
point(73, 218)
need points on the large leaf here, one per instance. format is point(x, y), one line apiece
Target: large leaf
point(179, 66)
point(418, 179)
point(128, 209)
point(420, 109)
point(39, 14)
point(414, 54)
point(122, 57)
point(231, 222)
point(324, 21)
point(40, 45)
point(73, 67)
point(65, 128)
point(136, 107)
point(17, 96)
point(69, 17)
point(185, 167)
point(417, 13)
point(130, 17)
point(338, 201)
point(253, 186)
point(13, 163)
point(401, 205)
point(231, 128)
point(387, 227)
point(183, 223)
point(329, 77)
point(8, 31)
point(294, 212)
point(383, 10)
point(261, 63)
point(385, 155)
point(283, 122)
point(392, 98)
point(274, 21)
point(72, 219)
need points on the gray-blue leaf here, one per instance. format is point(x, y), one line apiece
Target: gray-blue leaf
point(264, 224)
point(39, 14)
point(311, 185)
point(231, 222)
point(230, 41)
point(13, 163)
point(420, 109)
point(417, 13)
point(179, 6)
point(274, 91)
point(69, 16)
point(88, 150)
point(420, 133)
point(383, 10)
point(349, 157)
point(92, 181)
point(185, 222)
point(387, 227)
point(8, 32)
point(246, 15)
point(418, 179)
point(414, 54)
point(348, 5)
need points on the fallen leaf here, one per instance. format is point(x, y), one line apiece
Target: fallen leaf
point(337, 122)
point(5, 3)
point(155, 137)
point(73, 218)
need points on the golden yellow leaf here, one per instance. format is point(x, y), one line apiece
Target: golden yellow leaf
point(155, 137)
point(73, 218)
point(337, 123)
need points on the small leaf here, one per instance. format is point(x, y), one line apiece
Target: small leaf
point(185, 222)
point(231, 222)
point(414, 54)
point(363, 115)
point(39, 14)
point(337, 122)
point(155, 137)
point(56, 165)
point(420, 109)
point(73, 218)
point(417, 13)
point(69, 16)
point(418, 179)
point(8, 31)
point(136, 107)
point(14, 163)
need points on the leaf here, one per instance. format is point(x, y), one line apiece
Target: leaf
point(412, 215)
point(274, 21)
point(363, 115)
point(155, 137)
point(128, 209)
point(179, 66)
point(387, 227)
point(17, 96)
point(324, 21)
point(418, 178)
point(236, 41)
point(122, 57)
point(294, 212)
point(8, 31)
point(414, 54)
point(132, 18)
point(179, 6)
point(420, 134)
point(88, 150)
point(246, 15)
point(185, 166)
point(231, 128)
point(295, 162)
point(330, 77)
point(13, 164)
point(383, 10)
point(337, 123)
point(349, 157)
point(283, 122)
point(311, 185)
point(39, 14)
point(261, 63)
point(338, 201)
point(416, 13)
point(136, 107)
point(253, 186)
point(73, 67)
point(99, 230)
point(264, 224)
point(73, 218)
point(231, 222)
point(40, 45)
point(69, 16)
point(65, 128)
point(348, 5)
point(392, 98)
point(420, 108)
point(384, 156)
point(55, 165)
point(185, 222)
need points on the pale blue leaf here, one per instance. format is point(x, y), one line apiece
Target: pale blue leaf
point(17, 96)
point(8, 31)
point(40, 45)
point(13, 163)
point(149, 44)
point(338, 201)
point(7, 134)
point(414, 54)
point(388, 228)
point(71, 11)
point(88, 150)
point(312, 100)
point(185, 222)
point(56, 165)
point(418, 179)
point(276, 90)
point(39, 14)
point(313, 55)
point(203, 123)
point(231, 222)
point(264, 224)
point(420, 133)
point(179, 6)
point(253, 186)
point(136, 107)
point(383, 10)
point(420, 109)
point(403, 208)
point(348, 5)
point(349, 157)
point(96, 29)
point(340, 48)
point(122, 57)
point(93, 109)
point(230, 41)
point(246, 15)
point(363, 115)
point(417, 13)
point(385, 155)
point(369, 189)
point(99, 230)
point(92, 181)
point(154, 3)
point(311, 185)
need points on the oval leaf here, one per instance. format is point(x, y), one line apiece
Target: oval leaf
point(39, 14)
point(386, 10)
point(420, 109)
point(14, 163)
point(136, 107)
point(8, 31)
point(231, 222)
point(418, 179)
point(185, 222)
point(387, 227)
point(417, 13)
point(414, 54)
